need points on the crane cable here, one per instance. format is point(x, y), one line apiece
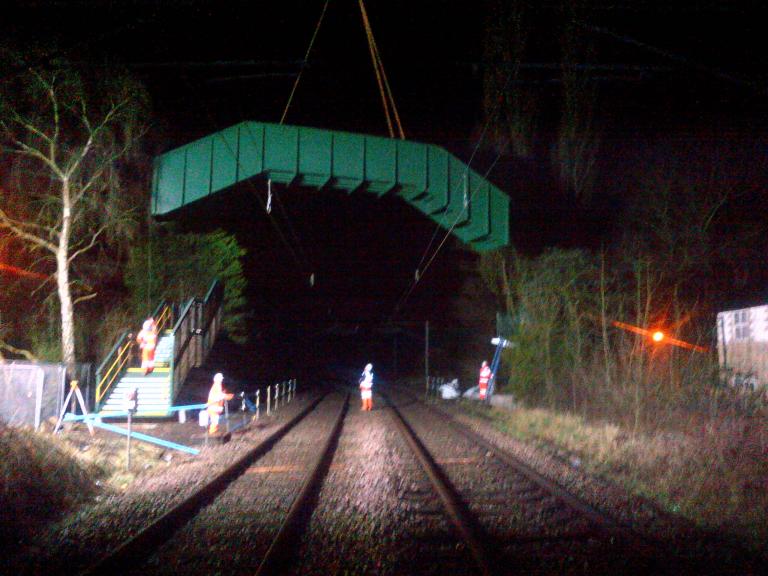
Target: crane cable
point(304, 62)
point(385, 91)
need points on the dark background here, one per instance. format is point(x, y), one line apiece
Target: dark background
point(661, 68)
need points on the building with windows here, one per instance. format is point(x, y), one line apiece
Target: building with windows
point(742, 346)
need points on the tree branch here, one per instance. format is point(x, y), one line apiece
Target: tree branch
point(90, 245)
point(84, 298)
point(7, 222)
point(13, 350)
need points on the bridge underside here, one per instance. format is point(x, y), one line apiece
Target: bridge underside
point(426, 176)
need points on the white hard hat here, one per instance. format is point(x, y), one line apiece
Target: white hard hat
point(368, 367)
point(147, 324)
point(218, 377)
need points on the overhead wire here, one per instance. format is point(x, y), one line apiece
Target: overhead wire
point(422, 271)
point(274, 193)
point(467, 202)
point(304, 62)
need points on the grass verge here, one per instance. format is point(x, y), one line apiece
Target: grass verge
point(715, 474)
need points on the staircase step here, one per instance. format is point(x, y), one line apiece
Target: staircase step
point(157, 370)
point(142, 399)
point(141, 383)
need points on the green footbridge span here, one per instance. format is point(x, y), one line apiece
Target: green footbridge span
point(426, 176)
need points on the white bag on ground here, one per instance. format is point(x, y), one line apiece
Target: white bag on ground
point(450, 390)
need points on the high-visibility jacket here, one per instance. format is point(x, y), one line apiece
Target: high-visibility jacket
point(485, 376)
point(367, 382)
point(147, 339)
point(216, 398)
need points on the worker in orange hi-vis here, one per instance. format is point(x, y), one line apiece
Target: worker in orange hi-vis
point(366, 388)
point(485, 377)
point(147, 339)
point(216, 398)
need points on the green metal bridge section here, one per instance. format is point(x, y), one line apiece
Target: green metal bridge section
point(425, 175)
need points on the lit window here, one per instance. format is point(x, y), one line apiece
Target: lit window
point(741, 325)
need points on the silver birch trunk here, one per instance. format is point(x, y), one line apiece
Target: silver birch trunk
point(62, 281)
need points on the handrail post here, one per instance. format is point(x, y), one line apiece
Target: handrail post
point(258, 404)
point(269, 400)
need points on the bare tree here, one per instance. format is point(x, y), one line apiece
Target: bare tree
point(509, 105)
point(64, 137)
point(575, 154)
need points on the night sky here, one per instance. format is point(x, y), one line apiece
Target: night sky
point(207, 65)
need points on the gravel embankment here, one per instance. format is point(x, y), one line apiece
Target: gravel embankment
point(81, 537)
point(234, 531)
point(376, 512)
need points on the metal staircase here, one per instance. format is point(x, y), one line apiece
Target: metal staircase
point(184, 343)
point(154, 389)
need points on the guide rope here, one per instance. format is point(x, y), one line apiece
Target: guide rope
point(385, 91)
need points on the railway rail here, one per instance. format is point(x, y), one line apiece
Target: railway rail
point(403, 489)
point(500, 505)
point(136, 553)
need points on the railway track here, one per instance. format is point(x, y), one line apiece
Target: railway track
point(511, 518)
point(182, 537)
point(404, 489)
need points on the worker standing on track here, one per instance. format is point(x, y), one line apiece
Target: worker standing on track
point(366, 388)
point(485, 377)
point(147, 339)
point(216, 398)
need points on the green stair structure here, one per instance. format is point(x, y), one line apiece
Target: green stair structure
point(426, 176)
point(155, 389)
point(185, 339)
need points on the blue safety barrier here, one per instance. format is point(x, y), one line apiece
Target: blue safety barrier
point(188, 407)
point(69, 417)
point(147, 438)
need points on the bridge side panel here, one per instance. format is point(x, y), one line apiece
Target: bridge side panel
point(381, 164)
point(168, 193)
point(250, 150)
point(197, 178)
point(225, 158)
point(281, 153)
point(348, 171)
point(411, 169)
point(315, 157)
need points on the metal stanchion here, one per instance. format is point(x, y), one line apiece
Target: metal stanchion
point(131, 404)
point(269, 400)
point(128, 445)
point(258, 404)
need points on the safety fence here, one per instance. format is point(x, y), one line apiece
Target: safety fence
point(30, 392)
point(434, 383)
point(274, 396)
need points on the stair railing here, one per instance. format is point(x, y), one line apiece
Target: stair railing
point(195, 332)
point(163, 316)
point(211, 319)
point(113, 366)
point(183, 331)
